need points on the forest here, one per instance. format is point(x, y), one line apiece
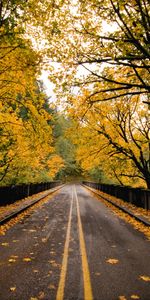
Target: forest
point(97, 127)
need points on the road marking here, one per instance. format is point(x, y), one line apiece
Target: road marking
point(85, 268)
point(61, 286)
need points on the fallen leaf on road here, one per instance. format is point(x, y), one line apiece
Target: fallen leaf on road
point(52, 287)
point(52, 252)
point(122, 298)
point(11, 260)
point(112, 261)
point(145, 278)
point(135, 297)
point(35, 271)
point(26, 259)
point(44, 240)
point(14, 256)
point(41, 295)
point(97, 274)
point(12, 289)
point(2, 230)
point(5, 244)
point(51, 261)
point(55, 265)
point(33, 298)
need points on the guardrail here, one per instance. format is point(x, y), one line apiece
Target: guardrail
point(10, 194)
point(137, 196)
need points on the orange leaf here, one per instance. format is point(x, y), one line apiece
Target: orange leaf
point(112, 261)
point(145, 278)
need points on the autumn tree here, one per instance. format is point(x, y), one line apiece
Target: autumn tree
point(116, 137)
point(27, 153)
point(108, 42)
point(104, 55)
point(103, 46)
point(98, 49)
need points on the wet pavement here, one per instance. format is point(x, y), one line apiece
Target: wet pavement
point(73, 247)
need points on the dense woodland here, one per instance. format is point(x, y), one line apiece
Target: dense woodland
point(97, 54)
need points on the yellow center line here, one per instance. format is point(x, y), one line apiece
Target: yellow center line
point(61, 286)
point(85, 268)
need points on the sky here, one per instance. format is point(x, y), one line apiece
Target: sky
point(49, 86)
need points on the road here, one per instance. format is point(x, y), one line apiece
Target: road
point(73, 247)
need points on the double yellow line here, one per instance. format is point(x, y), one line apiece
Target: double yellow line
point(85, 268)
point(61, 286)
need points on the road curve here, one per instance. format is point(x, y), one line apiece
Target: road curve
point(73, 247)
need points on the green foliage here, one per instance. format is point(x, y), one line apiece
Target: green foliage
point(96, 174)
point(66, 149)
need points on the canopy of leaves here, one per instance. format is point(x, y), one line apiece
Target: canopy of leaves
point(101, 45)
point(103, 48)
point(98, 55)
point(115, 137)
point(27, 153)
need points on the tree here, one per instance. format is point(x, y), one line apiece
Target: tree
point(65, 148)
point(116, 59)
point(103, 65)
point(27, 153)
point(116, 137)
point(97, 63)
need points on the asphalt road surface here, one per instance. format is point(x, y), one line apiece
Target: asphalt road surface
point(74, 248)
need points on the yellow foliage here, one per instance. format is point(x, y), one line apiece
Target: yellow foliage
point(55, 163)
point(113, 136)
point(26, 137)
